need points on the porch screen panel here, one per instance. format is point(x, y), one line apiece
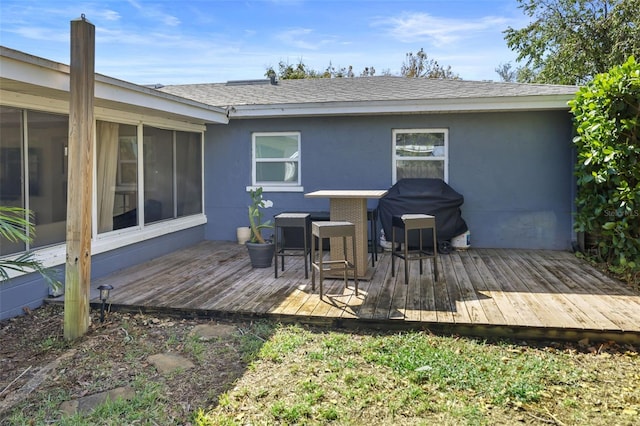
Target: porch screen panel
point(188, 173)
point(158, 174)
point(11, 170)
point(46, 175)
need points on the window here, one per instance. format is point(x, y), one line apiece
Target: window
point(188, 174)
point(172, 174)
point(158, 174)
point(143, 175)
point(276, 159)
point(33, 172)
point(117, 176)
point(420, 153)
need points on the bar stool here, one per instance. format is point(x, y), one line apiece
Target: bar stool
point(372, 217)
point(330, 229)
point(291, 220)
point(409, 222)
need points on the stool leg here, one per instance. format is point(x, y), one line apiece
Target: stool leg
point(321, 268)
point(373, 243)
point(435, 254)
point(406, 256)
point(355, 263)
point(393, 251)
point(346, 261)
point(313, 263)
point(306, 268)
point(420, 250)
point(375, 237)
point(277, 251)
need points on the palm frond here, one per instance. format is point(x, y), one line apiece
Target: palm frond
point(16, 225)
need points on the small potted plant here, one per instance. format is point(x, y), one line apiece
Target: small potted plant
point(260, 249)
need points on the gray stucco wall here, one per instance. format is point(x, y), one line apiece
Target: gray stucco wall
point(514, 170)
point(30, 290)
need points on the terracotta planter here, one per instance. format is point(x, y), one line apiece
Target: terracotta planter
point(261, 255)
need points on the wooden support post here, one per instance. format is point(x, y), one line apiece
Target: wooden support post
point(80, 179)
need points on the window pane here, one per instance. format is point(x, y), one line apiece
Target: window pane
point(11, 176)
point(117, 176)
point(188, 173)
point(419, 169)
point(48, 136)
point(277, 172)
point(420, 144)
point(158, 174)
point(277, 146)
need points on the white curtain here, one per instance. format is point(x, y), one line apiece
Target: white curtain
point(107, 167)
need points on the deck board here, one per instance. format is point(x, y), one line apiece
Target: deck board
point(485, 292)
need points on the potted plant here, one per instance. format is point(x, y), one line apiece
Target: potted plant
point(260, 249)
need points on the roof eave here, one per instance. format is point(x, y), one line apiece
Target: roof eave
point(494, 104)
point(32, 75)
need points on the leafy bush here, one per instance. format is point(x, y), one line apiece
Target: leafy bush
point(607, 120)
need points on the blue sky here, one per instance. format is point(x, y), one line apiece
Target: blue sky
point(207, 41)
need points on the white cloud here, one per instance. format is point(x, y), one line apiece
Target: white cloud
point(156, 14)
point(414, 27)
point(295, 37)
point(110, 15)
point(42, 33)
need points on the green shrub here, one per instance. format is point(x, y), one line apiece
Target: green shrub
point(607, 121)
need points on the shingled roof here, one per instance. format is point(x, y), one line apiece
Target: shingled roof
point(370, 95)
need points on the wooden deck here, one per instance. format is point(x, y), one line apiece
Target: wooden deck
point(524, 294)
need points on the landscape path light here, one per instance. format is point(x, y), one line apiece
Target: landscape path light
point(105, 289)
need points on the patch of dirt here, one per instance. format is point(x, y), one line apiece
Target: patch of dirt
point(37, 366)
point(112, 354)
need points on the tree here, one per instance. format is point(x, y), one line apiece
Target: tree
point(368, 72)
point(570, 41)
point(286, 71)
point(506, 72)
point(15, 227)
point(419, 65)
point(607, 119)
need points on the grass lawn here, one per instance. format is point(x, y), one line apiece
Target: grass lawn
point(269, 374)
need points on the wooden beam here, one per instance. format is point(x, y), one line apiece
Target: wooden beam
point(80, 179)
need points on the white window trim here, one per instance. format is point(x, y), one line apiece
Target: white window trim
point(275, 186)
point(396, 157)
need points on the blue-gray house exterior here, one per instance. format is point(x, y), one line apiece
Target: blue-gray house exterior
point(509, 148)
point(509, 153)
point(513, 168)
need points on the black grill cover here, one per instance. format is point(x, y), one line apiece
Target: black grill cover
point(428, 196)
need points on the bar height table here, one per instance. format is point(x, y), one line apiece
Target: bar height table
point(351, 205)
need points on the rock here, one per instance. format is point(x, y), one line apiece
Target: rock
point(167, 363)
point(90, 402)
point(212, 331)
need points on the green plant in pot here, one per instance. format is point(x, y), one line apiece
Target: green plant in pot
point(260, 249)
